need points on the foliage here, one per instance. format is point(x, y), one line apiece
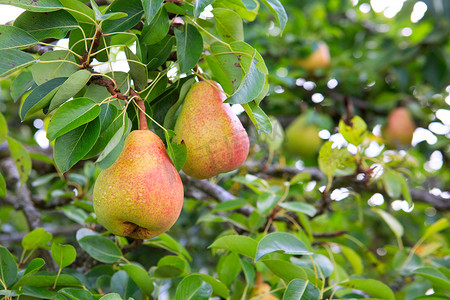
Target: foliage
point(291, 227)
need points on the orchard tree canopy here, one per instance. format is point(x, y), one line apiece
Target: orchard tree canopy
point(344, 194)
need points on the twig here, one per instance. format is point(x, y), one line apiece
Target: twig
point(329, 234)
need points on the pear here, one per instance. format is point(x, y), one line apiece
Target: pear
point(261, 290)
point(399, 129)
point(320, 58)
point(302, 135)
point(215, 139)
point(141, 194)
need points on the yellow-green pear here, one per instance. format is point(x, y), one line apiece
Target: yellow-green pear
point(399, 129)
point(302, 135)
point(215, 139)
point(320, 58)
point(141, 194)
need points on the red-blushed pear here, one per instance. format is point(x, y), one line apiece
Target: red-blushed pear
point(320, 58)
point(141, 194)
point(215, 139)
point(399, 129)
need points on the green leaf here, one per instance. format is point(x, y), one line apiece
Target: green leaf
point(101, 248)
point(299, 289)
point(353, 258)
point(355, 133)
point(266, 202)
point(56, 25)
point(278, 10)
point(236, 243)
point(436, 277)
point(218, 287)
point(76, 294)
point(372, 287)
point(134, 11)
point(138, 71)
point(70, 87)
point(332, 160)
point(12, 37)
point(177, 152)
point(13, 60)
point(53, 64)
point(280, 241)
point(300, 207)
point(36, 5)
point(172, 267)
point(71, 115)
point(300, 177)
point(189, 47)
point(21, 84)
point(200, 5)
point(37, 238)
point(117, 137)
point(140, 277)
point(8, 268)
point(2, 186)
point(437, 226)
point(405, 191)
point(170, 119)
point(79, 10)
point(193, 287)
point(34, 266)
point(228, 25)
point(40, 97)
point(318, 262)
point(3, 129)
point(392, 222)
point(112, 296)
point(229, 205)
point(392, 182)
point(249, 271)
point(228, 268)
point(63, 255)
point(158, 53)
point(250, 87)
point(151, 8)
point(43, 279)
point(285, 270)
point(21, 159)
point(258, 117)
point(157, 29)
point(74, 145)
point(10, 293)
point(247, 9)
point(225, 66)
point(166, 242)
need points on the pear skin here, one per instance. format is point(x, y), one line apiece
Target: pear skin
point(400, 128)
point(215, 139)
point(302, 138)
point(141, 194)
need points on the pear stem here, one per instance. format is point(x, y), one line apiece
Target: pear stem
point(143, 125)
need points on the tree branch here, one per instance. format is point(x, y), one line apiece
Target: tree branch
point(417, 195)
point(213, 190)
point(25, 203)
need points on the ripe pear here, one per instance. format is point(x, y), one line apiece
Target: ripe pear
point(261, 290)
point(320, 58)
point(302, 135)
point(215, 139)
point(399, 129)
point(141, 194)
